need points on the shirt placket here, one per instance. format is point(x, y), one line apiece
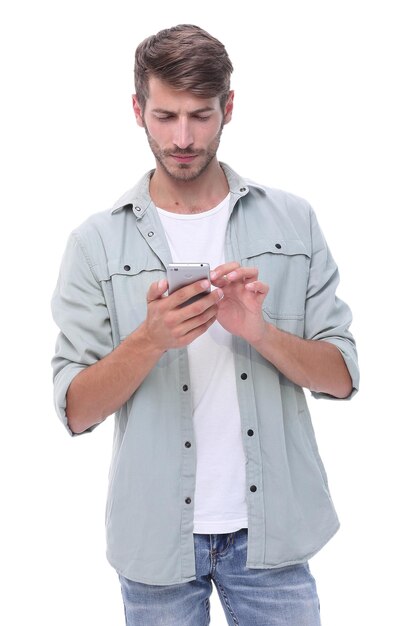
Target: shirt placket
point(152, 230)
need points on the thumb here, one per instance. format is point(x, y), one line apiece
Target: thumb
point(156, 290)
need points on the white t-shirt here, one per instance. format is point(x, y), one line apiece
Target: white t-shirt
point(220, 502)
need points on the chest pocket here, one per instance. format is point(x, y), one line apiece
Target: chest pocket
point(130, 279)
point(284, 266)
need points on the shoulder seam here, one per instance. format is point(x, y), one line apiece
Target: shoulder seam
point(82, 247)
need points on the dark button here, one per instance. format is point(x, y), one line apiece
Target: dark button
point(243, 376)
point(278, 245)
point(253, 488)
point(188, 500)
point(127, 268)
point(250, 432)
point(187, 444)
point(138, 208)
point(151, 233)
point(185, 387)
point(243, 189)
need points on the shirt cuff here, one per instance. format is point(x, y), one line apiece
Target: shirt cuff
point(348, 353)
point(61, 386)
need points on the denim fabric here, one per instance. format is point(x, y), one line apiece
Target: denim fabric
point(250, 597)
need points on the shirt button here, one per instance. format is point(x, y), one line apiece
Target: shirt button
point(188, 500)
point(185, 387)
point(253, 488)
point(278, 245)
point(242, 189)
point(127, 268)
point(138, 208)
point(151, 233)
point(250, 432)
point(187, 444)
point(243, 376)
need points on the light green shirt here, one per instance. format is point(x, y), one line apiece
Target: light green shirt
point(100, 298)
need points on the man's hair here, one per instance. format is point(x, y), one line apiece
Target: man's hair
point(187, 58)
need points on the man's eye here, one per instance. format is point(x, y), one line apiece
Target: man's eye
point(164, 118)
point(202, 118)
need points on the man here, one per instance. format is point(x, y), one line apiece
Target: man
point(215, 474)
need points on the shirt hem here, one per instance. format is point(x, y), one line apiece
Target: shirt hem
point(303, 559)
point(249, 564)
point(150, 581)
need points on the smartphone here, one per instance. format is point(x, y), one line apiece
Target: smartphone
point(182, 274)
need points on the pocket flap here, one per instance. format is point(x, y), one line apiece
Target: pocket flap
point(288, 247)
point(131, 266)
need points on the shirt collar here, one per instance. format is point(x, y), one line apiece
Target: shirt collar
point(138, 198)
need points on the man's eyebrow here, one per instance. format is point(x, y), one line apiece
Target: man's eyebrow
point(206, 109)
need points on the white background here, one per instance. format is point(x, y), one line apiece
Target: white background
point(315, 114)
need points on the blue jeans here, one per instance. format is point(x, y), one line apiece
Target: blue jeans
point(250, 597)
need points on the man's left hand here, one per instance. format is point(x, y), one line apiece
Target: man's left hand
point(240, 310)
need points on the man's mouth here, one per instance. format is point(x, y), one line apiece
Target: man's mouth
point(183, 158)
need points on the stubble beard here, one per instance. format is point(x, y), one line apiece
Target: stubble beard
point(185, 171)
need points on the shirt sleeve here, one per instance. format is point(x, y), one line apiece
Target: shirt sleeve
point(327, 318)
point(80, 312)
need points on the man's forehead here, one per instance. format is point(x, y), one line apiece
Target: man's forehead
point(163, 96)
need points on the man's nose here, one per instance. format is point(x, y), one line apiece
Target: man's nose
point(183, 135)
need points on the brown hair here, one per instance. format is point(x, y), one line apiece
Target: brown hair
point(188, 59)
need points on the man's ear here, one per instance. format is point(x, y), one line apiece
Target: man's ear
point(229, 107)
point(139, 117)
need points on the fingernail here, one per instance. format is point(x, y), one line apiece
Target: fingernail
point(213, 274)
point(220, 294)
point(205, 284)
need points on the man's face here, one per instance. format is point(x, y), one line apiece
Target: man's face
point(183, 130)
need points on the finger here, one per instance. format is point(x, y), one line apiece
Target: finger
point(191, 335)
point(156, 290)
point(258, 287)
point(223, 269)
point(182, 327)
point(178, 297)
point(196, 321)
point(242, 273)
point(198, 307)
point(193, 310)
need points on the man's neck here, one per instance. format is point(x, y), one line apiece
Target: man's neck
point(195, 196)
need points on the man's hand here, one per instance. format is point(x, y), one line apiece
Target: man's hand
point(101, 389)
point(317, 365)
point(240, 311)
point(169, 324)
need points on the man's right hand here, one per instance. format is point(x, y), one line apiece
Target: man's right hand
point(169, 324)
point(102, 388)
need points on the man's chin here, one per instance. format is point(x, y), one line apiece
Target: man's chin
point(184, 172)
